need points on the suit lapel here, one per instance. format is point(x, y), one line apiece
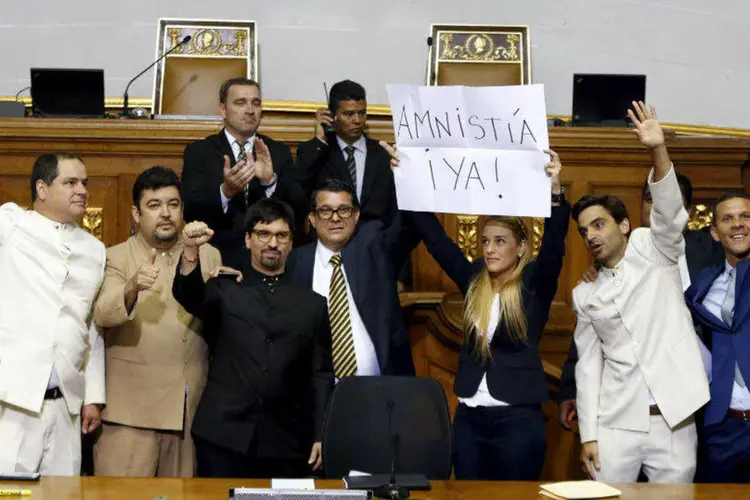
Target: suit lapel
point(225, 148)
point(350, 256)
point(698, 292)
point(371, 170)
point(304, 264)
point(741, 302)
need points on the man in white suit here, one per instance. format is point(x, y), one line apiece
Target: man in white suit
point(51, 358)
point(640, 376)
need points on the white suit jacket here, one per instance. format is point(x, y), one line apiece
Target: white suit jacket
point(50, 274)
point(634, 331)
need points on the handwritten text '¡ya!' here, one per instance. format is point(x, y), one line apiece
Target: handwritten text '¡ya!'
point(454, 169)
point(440, 125)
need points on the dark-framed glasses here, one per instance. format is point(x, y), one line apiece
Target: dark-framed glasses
point(344, 212)
point(265, 236)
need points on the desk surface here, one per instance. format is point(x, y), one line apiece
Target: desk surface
point(103, 488)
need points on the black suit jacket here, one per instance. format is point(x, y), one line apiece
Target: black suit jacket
point(317, 161)
point(203, 173)
point(370, 260)
point(515, 373)
point(271, 372)
point(701, 252)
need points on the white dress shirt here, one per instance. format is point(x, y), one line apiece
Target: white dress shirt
point(483, 397)
point(360, 158)
point(236, 153)
point(364, 350)
point(713, 302)
point(50, 274)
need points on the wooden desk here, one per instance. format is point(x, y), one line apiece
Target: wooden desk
point(103, 488)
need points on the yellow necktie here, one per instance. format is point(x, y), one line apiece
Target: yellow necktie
point(344, 360)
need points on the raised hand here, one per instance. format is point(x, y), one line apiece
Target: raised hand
point(392, 150)
point(647, 127)
point(553, 168)
point(147, 274)
point(236, 177)
point(195, 234)
point(263, 163)
point(323, 119)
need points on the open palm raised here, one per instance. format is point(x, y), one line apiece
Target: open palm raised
point(647, 127)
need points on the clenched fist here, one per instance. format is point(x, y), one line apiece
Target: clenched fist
point(195, 234)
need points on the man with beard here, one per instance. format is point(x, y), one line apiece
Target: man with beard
point(51, 360)
point(639, 376)
point(156, 358)
point(262, 411)
point(223, 174)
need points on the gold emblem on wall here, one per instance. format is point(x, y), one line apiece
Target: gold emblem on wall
point(485, 47)
point(700, 216)
point(210, 42)
point(93, 222)
point(468, 240)
point(537, 232)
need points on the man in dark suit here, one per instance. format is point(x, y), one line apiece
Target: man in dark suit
point(226, 173)
point(701, 251)
point(263, 406)
point(347, 154)
point(354, 267)
point(720, 300)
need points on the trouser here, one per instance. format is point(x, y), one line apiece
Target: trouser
point(728, 451)
point(48, 442)
point(499, 443)
point(217, 461)
point(122, 450)
point(665, 455)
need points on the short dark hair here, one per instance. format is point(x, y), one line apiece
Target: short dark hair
point(686, 188)
point(612, 204)
point(345, 90)
point(152, 179)
point(333, 186)
point(224, 89)
point(726, 196)
point(267, 211)
point(45, 169)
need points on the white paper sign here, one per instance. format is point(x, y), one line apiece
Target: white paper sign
point(471, 150)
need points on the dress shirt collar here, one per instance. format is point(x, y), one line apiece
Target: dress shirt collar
point(269, 279)
point(613, 271)
point(359, 145)
point(232, 141)
point(323, 255)
point(727, 270)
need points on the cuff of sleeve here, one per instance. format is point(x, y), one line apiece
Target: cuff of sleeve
point(224, 201)
point(653, 183)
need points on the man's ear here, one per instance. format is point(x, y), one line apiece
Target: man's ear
point(41, 190)
point(247, 240)
point(715, 234)
point(625, 226)
point(136, 214)
point(311, 218)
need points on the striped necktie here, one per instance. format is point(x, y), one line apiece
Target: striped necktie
point(351, 164)
point(242, 156)
point(344, 359)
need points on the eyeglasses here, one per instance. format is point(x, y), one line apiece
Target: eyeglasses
point(343, 212)
point(265, 236)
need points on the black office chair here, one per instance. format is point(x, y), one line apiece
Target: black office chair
point(355, 436)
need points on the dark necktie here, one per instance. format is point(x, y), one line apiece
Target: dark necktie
point(727, 314)
point(351, 164)
point(242, 156)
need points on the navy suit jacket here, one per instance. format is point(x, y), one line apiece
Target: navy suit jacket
point(371, 259)
point(730, 344)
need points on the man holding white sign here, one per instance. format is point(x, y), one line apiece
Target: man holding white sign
point(471, 150)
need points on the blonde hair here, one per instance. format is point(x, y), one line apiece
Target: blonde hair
point(481, 295)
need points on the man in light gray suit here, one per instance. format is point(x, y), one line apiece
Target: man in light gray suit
point(640, 375)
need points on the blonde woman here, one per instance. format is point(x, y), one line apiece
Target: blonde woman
point(499, 424)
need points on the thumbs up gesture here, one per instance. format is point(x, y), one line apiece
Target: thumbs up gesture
point(147, 274)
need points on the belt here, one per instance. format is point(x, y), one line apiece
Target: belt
point(54, 393)
point(654, 410)
point(741, 414)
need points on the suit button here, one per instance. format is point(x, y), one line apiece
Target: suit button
point(265, 371)
point(271, 312)
point(260, 402)
point(269, 342)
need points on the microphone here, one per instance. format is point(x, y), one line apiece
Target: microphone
point(391, 491)
point(125, 96)
point(428, 74)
